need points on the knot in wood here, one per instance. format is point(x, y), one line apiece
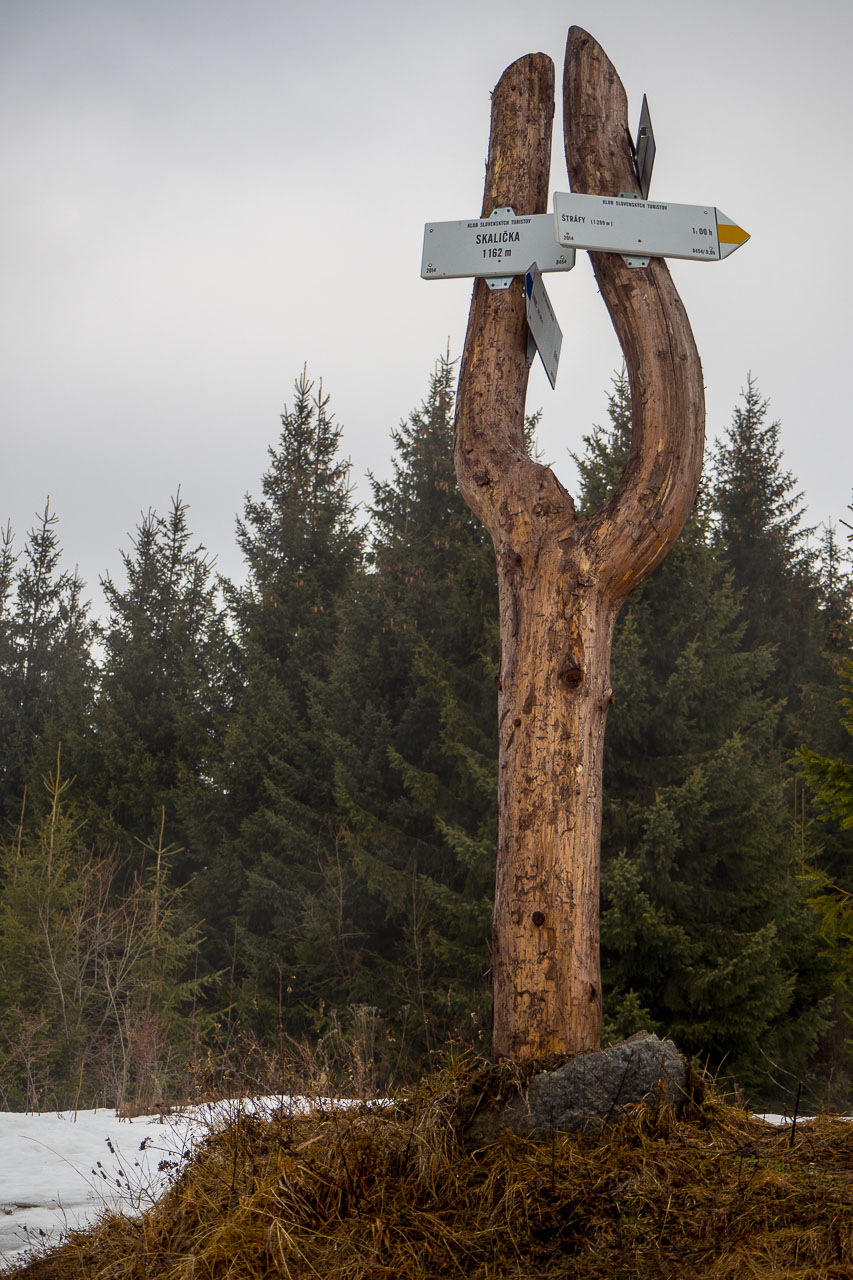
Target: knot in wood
point(538, 918)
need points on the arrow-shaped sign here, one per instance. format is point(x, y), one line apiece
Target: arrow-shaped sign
point(546, 332)
point(644, 152)
point(645, 228)
point(501, 246)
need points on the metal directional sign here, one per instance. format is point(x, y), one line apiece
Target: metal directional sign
point(644, 153)
point(645, 227)
point(543, 324)
point(499, 247)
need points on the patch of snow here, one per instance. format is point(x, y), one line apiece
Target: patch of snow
point(773, 1117)
point(59, 1171)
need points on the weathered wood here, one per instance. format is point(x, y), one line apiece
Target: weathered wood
point(634, 531)
point(562, 579)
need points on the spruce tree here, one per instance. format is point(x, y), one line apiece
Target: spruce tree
point(410, 711)
point(47, 670)
point(831, 778)
point(793, 596)
point(300, 544)
point(302, 547)
point(825, 763)
point(836, 594)
point(8, 662)
point(703, 934)
point(762, 540)
point(828, 881)
point(166, 691)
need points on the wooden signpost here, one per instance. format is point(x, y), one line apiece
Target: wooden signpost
point(563, 578)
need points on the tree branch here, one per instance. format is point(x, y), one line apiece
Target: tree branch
point(491, 460)
point(635, 529)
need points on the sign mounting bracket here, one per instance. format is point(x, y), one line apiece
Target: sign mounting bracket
point(633, 260)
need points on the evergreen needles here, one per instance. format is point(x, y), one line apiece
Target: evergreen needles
point(319, 743)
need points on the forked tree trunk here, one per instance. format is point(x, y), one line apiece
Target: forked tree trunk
point(562, 579)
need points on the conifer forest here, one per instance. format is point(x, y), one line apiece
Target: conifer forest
point(246, 820)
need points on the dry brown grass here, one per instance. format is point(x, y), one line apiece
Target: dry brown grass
point(397, 1192)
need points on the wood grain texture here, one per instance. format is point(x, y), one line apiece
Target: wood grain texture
point(562, 579)
point(636, 528)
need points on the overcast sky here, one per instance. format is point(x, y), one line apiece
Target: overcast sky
point(200, 196)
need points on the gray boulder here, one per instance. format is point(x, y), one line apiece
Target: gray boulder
point(591, 1090)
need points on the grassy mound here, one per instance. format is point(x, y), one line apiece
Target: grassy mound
point(399, 1192)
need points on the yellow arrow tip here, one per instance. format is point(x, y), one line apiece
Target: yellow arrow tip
point(730, 234)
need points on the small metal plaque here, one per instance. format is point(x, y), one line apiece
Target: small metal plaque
point(645, 228)
point(644, 152)
point(544, 328)
point(500, 246)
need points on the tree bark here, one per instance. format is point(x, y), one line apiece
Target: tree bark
point(562, 579)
